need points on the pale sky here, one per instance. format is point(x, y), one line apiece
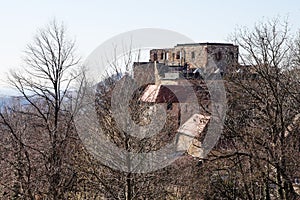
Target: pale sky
point(92, 22)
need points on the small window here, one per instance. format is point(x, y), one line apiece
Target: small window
point(218, 55)
point(155, 56)
point(178, 55)
point(231, 55)
point(193, 55)
point(169, 106)
point(162, 56)
point(173, 56)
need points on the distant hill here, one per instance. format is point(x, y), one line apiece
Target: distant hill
point(9, 100)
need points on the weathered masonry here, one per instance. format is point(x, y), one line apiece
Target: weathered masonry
point(197, 55)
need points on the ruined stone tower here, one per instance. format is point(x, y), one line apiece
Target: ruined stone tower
point(196, 55)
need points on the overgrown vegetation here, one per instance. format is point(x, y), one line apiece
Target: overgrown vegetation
point(257, 157)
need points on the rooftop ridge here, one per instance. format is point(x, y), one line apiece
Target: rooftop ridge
point(206, 43)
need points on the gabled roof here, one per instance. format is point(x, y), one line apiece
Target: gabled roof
point(189, 133)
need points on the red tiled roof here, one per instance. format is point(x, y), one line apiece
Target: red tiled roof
point(167, 94)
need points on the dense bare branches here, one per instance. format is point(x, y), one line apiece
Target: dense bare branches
point(45, 134)
point(262, 107)
point(256, 158)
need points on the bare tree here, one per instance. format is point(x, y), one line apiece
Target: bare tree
point(51, 67)
point(263, 100)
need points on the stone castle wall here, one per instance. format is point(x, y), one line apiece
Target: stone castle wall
point(197, 55)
